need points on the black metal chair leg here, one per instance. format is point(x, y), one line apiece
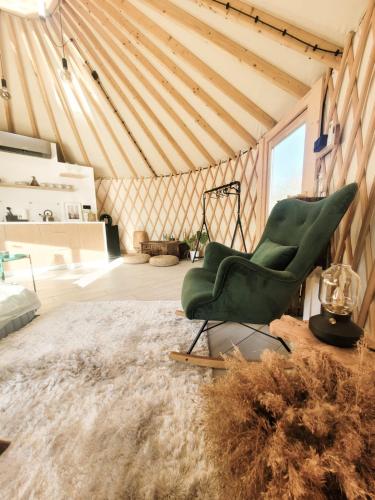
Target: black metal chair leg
point(201, 330)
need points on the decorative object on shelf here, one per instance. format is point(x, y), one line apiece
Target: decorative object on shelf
point(161, 248)
point(106, 218)
point(196, 243)
point(338, 294)
point(73, 211)
point(10, 217)
point(231, 189)
point(138, 238)
point(34, 182)
point(4, 92)
point(47, 216)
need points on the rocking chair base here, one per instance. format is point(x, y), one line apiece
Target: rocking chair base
point(204, 361)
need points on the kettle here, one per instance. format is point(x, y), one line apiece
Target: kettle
point(47, 216)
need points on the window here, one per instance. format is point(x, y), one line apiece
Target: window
point(286, 166)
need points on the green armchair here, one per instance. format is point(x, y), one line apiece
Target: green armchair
point(233, 286)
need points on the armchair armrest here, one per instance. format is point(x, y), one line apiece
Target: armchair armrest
point(215, 253)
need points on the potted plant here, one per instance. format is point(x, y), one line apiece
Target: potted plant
point(191, 241)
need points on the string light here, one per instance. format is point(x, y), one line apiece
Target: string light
point(283, 32)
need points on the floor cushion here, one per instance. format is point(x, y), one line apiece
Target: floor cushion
point(137, 258)
point(164, 260)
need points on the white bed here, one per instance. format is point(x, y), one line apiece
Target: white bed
point(17, 307)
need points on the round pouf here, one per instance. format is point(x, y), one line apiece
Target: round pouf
point(137, 258)
point(164, 260)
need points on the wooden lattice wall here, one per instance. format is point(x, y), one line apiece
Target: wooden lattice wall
point(351, 103)
point(173, 204)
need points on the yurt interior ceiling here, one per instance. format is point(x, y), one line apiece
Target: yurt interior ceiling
point(190, 83)
point(187, 249)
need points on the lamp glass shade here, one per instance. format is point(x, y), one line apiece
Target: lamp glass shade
point(339, 289)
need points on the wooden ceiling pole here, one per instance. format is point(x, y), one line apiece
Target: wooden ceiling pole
point(171, 65)
point(292, 42)
point(93, 98)
point(45, 95)
point(98, 29)
point(179, 98)
point(277, 76)
point(169, 109)
point(7, 104)
point(130, 11)
point(21, 72)
point(60, 91)
point(87, 117)
point(94, 49)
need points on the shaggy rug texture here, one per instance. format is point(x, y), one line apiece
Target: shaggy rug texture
point(95, 409)
point(297, 429)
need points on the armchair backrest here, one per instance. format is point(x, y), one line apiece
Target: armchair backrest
point(307, 225)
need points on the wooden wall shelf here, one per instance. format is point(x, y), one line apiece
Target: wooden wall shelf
point(44, 188)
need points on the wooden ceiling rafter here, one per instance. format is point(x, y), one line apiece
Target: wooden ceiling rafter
point(136, 94)
point(60, 91)
point(94, 97)
point(13, 37)
point(6, 104)
point(160, 99)
point(34, 61)
point(269, 71)
point(88, 119)
point(76, 31)
point(198, 64)
point(191, 110)
point(292, 42)
point(165, 60)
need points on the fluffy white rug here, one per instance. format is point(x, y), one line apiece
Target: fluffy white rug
point(95, 409)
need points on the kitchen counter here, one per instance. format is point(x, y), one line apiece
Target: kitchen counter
point(55, 244)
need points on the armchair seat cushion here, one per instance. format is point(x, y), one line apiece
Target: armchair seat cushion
point(273, 255)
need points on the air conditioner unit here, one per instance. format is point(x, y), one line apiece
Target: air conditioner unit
point(24, 145)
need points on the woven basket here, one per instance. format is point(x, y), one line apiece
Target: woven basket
point(160, 248)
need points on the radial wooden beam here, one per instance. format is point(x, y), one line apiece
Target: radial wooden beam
point(266, 69)
point(60, 91)
point(280, 34)
point(151, 88)
point(163, 81)
point(194, 87)
point(137, 95)
point(38, 72)
point(86, 115)
point(97, 51)
point(130, 11)
point(6, 104)
point(99, 107)
point(18, 53)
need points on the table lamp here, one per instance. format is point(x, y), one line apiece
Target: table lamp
point(338, 294)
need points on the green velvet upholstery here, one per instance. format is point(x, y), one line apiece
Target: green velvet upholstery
point(273, 255)
point(230, 287)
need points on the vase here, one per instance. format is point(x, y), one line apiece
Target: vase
point(193, 254)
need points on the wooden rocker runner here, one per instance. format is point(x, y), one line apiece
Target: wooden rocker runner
point(256, 288)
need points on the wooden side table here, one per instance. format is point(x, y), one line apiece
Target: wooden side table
point(297, 332)
point(12, 258)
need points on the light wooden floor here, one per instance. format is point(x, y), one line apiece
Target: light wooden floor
point(119, 281)
point(116, 281)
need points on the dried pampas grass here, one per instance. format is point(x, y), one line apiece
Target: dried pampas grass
point(292, 428)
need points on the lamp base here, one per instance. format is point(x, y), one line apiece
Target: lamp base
point(335, 329)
